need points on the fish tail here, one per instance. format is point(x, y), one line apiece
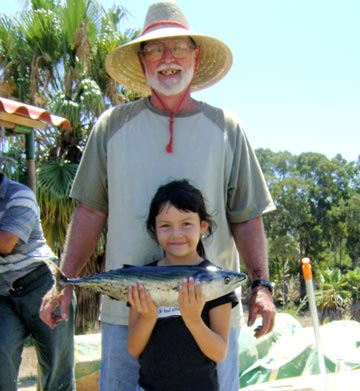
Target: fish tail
point(59, 278)
point(60, 281)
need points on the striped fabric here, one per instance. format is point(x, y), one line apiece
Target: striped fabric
point(19, 215)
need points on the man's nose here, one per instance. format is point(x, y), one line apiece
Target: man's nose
point(167, 53)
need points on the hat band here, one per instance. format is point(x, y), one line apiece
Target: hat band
point(163, 22)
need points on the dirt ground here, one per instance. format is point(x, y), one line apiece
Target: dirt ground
point(28, 371)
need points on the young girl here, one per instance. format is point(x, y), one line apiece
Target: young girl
point(178, 348)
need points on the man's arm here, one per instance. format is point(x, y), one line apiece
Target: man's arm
point(251, 244)
point(81, 240)
point(7, 242)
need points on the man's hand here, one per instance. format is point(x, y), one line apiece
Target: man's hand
point(250, 240)
point(51, 301)
point(261, 303)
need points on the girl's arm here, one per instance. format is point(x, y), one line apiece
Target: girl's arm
point(142, 319)
point(213, 340)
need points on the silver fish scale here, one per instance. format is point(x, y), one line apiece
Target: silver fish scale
point(161, 282)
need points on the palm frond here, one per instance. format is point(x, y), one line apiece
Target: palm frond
point(54, 182)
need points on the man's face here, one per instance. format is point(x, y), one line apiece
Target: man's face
point(169, 64)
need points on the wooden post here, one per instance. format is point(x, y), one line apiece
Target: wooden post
point(30, 157)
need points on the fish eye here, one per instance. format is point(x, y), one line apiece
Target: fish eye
point(227, 280)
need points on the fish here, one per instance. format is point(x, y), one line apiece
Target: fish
point(161, 282)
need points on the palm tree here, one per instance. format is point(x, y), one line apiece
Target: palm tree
point(52, 55)
point(332, 297)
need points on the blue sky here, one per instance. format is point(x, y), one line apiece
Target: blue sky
point(295, 80)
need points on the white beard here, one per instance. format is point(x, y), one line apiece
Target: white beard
point(173, 86)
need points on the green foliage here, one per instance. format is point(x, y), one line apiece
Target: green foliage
point(287, 292)
point(352, 282)
point(317, 216)
point(14, 165)
point(54, 182)
point(52, 55)
point(333, 298)
point(317, 205)
point(352, 221)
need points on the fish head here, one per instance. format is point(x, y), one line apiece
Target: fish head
point(217, 282)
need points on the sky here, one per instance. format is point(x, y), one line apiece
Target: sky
point(295, 79)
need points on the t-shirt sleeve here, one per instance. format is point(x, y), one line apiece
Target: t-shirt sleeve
point(228, 298)
point(248, 195)
point(90, 183)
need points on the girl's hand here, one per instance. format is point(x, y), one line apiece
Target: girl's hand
point(141, 301)
point(191, 300)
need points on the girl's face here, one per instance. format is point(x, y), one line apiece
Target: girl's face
point(178, 233)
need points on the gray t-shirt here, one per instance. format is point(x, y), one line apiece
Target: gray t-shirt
point(125, 161)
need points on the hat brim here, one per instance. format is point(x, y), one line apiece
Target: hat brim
point(123, 65)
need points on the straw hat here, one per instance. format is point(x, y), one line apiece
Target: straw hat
point(165, 20)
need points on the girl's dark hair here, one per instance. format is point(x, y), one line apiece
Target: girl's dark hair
point(184, 197)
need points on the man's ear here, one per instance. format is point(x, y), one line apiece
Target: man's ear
point(197, 58)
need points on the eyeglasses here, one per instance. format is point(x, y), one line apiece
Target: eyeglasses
point(179, 50)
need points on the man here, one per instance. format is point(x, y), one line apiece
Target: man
point(24, 279)
point(136, 147)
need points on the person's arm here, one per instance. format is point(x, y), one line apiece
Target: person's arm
point(142, 319)
point(251, 244)
point(18, 220)
point(213, 340)
point(7, 242)
point(81, 240)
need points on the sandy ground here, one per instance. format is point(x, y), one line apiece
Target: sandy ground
point(28, 373)
point(28, 370)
